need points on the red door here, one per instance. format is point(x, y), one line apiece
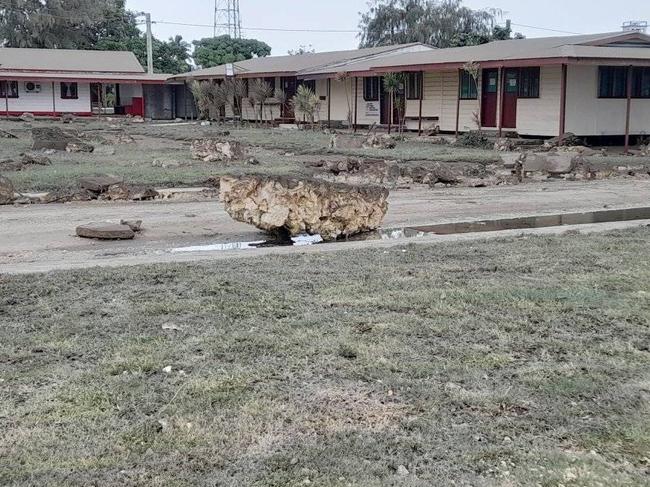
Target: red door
point(510, 96)
point(490, 97)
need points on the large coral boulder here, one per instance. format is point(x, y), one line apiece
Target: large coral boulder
point(6, 191)
point(212, 150)
point(289, 206)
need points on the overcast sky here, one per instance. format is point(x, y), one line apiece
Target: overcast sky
point(580, 16)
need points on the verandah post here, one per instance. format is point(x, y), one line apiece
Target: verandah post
point(421, 96)
point(53, 101)
point(7, 82)
point(630, 72)
point(329, 103)
point(563, 89)
point(502, 90)
point(460, 79)
point(356, 101)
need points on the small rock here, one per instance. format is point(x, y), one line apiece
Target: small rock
point(7, 135)
point(79, 147)
point(167, 370)
point(135, 225)
point(35, 159)
point(99, 184)
point(212, 150)
point(116, 192)
point(27, 117)
point(402, 471)
point(6, 191)
point(253, 162)
point(137, 119)
point(68, 196)
point(205, 123)
point(171, 326)
point(143, 194)
point(105, 231)
point(67, 118)
point(507, 439)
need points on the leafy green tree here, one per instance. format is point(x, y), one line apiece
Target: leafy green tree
point(86, 24)
point(224, 49)
point(440, 23)
point(62, 24)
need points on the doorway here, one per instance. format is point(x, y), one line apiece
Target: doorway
point(510, 97)
point(289, 86)
point(490, 98)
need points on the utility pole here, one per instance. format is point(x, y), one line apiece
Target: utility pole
point(149, 44)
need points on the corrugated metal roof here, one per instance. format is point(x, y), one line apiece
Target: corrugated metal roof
point(515, 49)
point(68, 60)
point(89, 77)
point(291, 64)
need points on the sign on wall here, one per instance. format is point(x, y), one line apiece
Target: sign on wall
point(372, 109)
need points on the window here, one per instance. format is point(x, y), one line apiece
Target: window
point(308, 83)
point(529, 83)
point(612, 82)
point(271, 82)
point(414, 86)
point(641, 83)
point(13, 89)
point(468, 89)
point(69, 91)
point(371, 89)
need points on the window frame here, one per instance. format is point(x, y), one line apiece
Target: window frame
point(371, 87)
point(640, 74)
point(74, 86)
point(414, 81)
point(309, 83)
point(463, 78)
point(612, 95)
point(271, 81)
point(5, 92)
point(537, 77)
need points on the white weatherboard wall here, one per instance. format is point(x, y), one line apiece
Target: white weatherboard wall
point(586, 114)
point(541, 116)
point(42, 102)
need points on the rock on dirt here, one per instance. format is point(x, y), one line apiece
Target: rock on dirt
point(553, 163)
point(79, 147)
point(29, 158)
point(291, 207)
point(67, 196)
point(7, 195)
point(52, 138)
point(67, 118)
point(99, 184)
point(27, 117)
point(341, 141)
point(363, 171)
point(383, 141)
point(7, 135)
point(105, 231)
point(212, 150)
point(135, 225)
point(116, 192)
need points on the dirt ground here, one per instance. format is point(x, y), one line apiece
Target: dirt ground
point(39, 238)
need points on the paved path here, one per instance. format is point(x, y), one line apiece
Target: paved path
point(40, 238)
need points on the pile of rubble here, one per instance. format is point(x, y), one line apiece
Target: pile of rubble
point(214, 150)
point(391, 174)
point(373, 141)
point(54, 138)
point(107, 188)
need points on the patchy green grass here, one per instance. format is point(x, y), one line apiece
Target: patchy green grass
point(519, 362)
point(170, 144)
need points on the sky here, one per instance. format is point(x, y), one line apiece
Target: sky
point(575, 16)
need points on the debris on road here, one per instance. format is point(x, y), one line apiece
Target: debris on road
point(105, 231)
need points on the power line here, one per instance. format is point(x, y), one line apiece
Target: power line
point(547, 29)
point(272, 29)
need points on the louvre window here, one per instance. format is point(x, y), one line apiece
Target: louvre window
point(529, 83)
point(371, 89)
point(414, 86)
point(641, 83)
point(468, 89)
point(612, 82)
point(13, 89)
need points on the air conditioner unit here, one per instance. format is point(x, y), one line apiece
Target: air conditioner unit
point(31, 87)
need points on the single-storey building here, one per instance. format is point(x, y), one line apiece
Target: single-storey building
point(286, 73)
point(591, 85)
point(52, 82)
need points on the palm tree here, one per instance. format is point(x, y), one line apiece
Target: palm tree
point(306, 103)
point(392, 82)
point(260, 91)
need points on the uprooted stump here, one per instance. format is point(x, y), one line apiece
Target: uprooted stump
point(291, 207)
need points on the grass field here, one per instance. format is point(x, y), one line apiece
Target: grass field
point(170, 144)
point(520, 362)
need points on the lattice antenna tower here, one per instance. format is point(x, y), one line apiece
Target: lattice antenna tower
point(227, 19)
